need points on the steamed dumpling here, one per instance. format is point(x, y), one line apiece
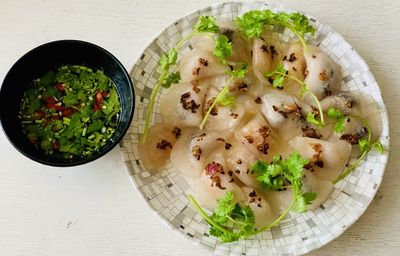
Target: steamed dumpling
point(322, 188)
point(295, 63)
point(157, 148)
point(221, 117)
point(328, 158)
point(239, 160)
point(321, 73)
point(198, 64)
point(183, 104)
point(210, 187)
point(262, 59)
point(260, 206)
point(192, 151)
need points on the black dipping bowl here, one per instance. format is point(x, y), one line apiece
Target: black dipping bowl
point(51, 56)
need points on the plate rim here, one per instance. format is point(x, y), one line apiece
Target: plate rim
point(266, 5)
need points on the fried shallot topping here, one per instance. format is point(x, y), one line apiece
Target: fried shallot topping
point(177, 132)
point(316, 158)
point(213, 168)
point(243, 87)
point(203, 62)
point(323, 76)
point(292, 57)
point(164, 144)
point(310, 132)
point(196, 152)
point(189, 105)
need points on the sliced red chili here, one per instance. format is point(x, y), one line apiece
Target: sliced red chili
point(55, 117)
point(38, 115)
point(68, 112)
point(104, 93)
point(50, 100)
point(60, 87)
point(99, 98)
point(56, 145)
point(56, 107)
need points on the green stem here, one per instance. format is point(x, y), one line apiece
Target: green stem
point(276, 221)
point(321, 113)
point(205, 216)
point(357, 162)
point(163, 75)
point(151, 104)
point(215, 102)
point(350, 168)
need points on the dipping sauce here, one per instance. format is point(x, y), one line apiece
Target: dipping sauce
point(72, 111)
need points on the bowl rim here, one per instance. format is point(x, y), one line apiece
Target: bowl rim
point(108, 147)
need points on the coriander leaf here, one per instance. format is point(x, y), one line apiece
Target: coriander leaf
point(206, 24)
point(228, 214)
point(222, 98)
point(304, 199)
point(70, 99)
point(224, 208)
point(238, 71)
point(251, 23)
point(300, 24)
point(111, 105)
point(379, 147)
point(269, 175)
point(96, 125)
point(168, 59)
point(293, 166)
point(172, 78)
point(312, 120)
point(223, 48)
point(248, 219)
point(310, 197)
point(340, 119)
point(364, 145)
point(335, 113)
point(278, 76)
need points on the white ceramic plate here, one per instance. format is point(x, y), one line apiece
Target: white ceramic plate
point(297, 234)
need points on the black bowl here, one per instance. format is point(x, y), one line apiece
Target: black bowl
point(51, 56)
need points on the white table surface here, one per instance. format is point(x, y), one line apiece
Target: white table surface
point(94, 209)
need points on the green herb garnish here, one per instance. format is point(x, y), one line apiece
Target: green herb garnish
point(252, 23)
point(229, 214)
point(279, 75)
point(273, 175)
point(71, 112)
point(340, 119)
point(223, 98)
point(365, 145)
point(223, 48)
point(205, 25)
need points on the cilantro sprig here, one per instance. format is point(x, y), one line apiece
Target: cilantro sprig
point(223, 98)
point(340, 119)
point(272, 176)
point(365, 145)
point(278, 77)
point(223, 48)
point(205, 25)
point(252, 23)
point(229, 214)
